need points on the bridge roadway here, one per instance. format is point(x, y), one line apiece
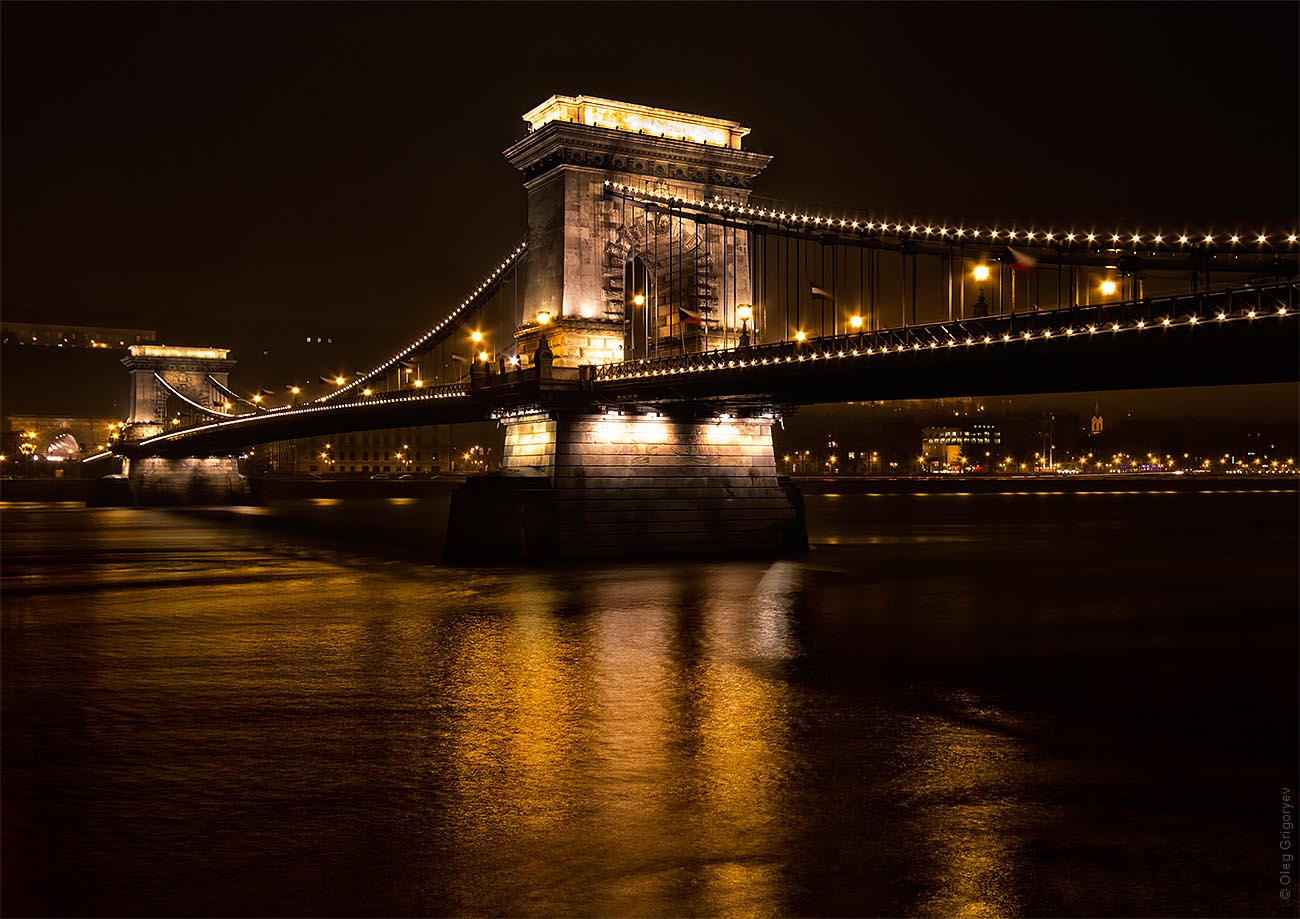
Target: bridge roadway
point(1249, 335)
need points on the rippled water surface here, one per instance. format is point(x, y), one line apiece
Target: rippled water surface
point(970, 705)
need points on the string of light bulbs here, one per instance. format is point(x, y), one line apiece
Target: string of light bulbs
point(470, 301)
point(976, 234)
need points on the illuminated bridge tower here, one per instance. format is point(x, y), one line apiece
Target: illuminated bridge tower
point(178, 385)
point(613, 278)
point(607, 281)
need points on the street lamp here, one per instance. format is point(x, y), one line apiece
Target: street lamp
point(744, 311)
point(1107, 287)
point(543, 317)
point(476, 336)
point(981, 274)
point(855, 323)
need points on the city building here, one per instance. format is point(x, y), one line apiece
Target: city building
point(397, 451)
point(958, 447)
point(62, 335)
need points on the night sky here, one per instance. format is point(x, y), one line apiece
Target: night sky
point(261, 164)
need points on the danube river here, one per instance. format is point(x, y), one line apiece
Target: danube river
point(1000, 704)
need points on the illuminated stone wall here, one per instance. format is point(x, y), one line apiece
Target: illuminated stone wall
point(187, 481)
point(622, 485)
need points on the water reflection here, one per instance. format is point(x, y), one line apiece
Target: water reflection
point(962, 766)
point(206, 713)
point(652, 730)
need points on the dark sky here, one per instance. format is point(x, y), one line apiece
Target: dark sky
point(341, 162)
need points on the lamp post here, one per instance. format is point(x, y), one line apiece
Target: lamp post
point(744, 311)
point(855, 323)
point(981, 274)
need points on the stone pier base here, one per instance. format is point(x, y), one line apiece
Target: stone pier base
point(157, 480)
point(591, 486)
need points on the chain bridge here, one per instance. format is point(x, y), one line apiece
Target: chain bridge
point(658, 317)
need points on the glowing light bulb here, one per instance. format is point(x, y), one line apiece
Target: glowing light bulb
point(476, 336)
point(800, 335)
point(981, 272)
point(1107, 288)
point(855, 322)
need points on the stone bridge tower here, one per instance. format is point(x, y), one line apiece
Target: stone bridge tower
point(189, 380)
point(195, 373)
point(610, 280)
point(586, 250)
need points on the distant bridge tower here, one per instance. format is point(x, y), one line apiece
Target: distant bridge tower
point(610, 277)
point(198, 374)
point(189, 381)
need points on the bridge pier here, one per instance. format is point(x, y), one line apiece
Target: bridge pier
point(587, 485)
point(189, 480)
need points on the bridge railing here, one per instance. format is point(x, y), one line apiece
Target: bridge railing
point(1184, 309)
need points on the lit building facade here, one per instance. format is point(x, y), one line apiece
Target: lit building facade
point(51, 335)
point(959, 447)
point(396, 451)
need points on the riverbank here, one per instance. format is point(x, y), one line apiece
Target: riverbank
point(1046, 483)
point(288, 488)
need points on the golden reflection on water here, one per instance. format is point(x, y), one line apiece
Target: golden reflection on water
point(654, 730)
point(964, 760)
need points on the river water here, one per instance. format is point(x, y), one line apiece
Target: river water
point(974, 705)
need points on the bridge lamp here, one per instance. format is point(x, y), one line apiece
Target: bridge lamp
point(1107, 287)
point(257, 397)
point(801, 335)
point(855, 323)
point(339, 381)
point(295, 389)
point(418, 384)
point(745, 312)
point(483, 356)
point(543, 317)
point(476, 336)
point(981, 273)
point(639, 299)
point(226, 406)
point(367, 391)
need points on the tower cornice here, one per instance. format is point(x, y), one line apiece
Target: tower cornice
point(561, 143)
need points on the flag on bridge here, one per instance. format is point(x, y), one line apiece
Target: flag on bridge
point(266, 392)
point(406, 365)
point(332, 380)
point(1024, 261)
point(689, 317)
point(821, 292)
point(461, 358)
